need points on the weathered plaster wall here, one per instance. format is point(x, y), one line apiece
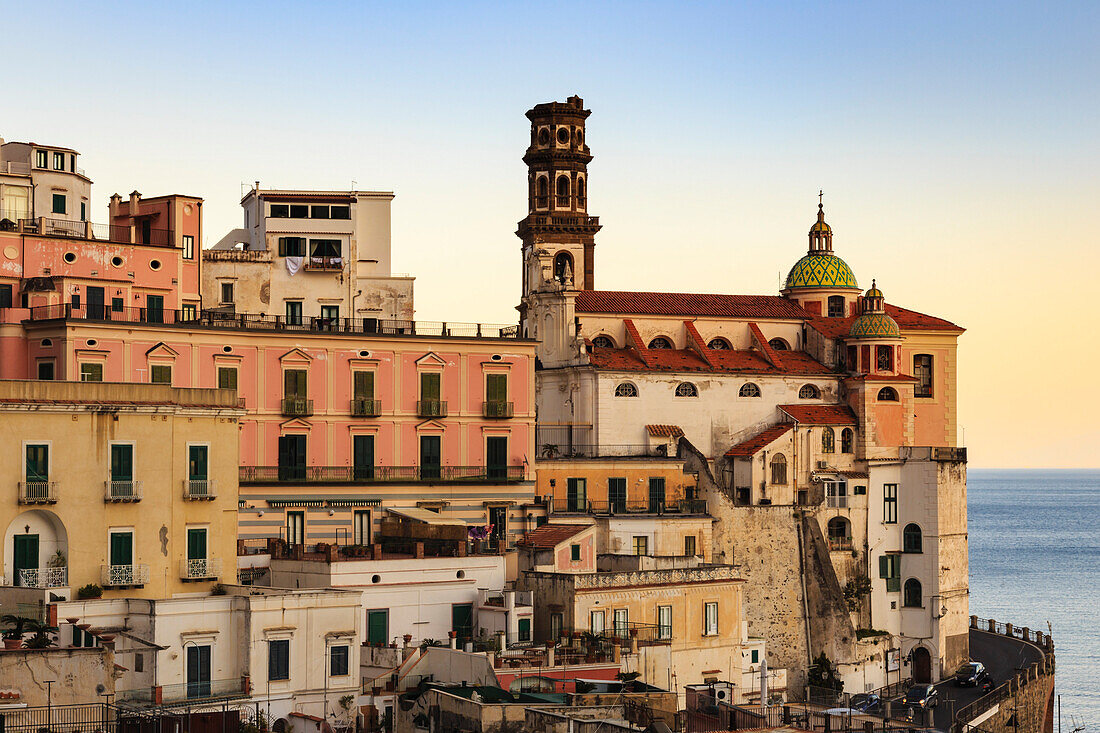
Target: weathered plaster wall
point(76, 674)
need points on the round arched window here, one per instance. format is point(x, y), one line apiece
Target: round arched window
point(748, 389)
point(828, 440)
point(563, 135)
point(544, 136)
point(847, 437)
point(911, 539)
point(660, 343)
point(718, 344)
point(626, 389)
point(913, 596)
point(887, 394)
point(809, 392)
point(686, 389)
point(604, 342)
point(779, 345)
point(840, 534)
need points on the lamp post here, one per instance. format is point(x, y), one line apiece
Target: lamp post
point(49, 703)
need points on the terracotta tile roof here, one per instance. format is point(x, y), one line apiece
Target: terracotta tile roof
point(762, 344)
point(759, 441)
point(549, 536)
point(908, 321)
point(695, 342)
point(687, 304)
point(634, 340)
point(821, 414)
point(722, 361)
point(664, 431)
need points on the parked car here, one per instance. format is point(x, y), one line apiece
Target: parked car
point(971, 674)
point(924, 697)
point(865, 702)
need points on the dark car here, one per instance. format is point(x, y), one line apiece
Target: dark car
point(971, 674)
point(865, 702)
point(924, 697)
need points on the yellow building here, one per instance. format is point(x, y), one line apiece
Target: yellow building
point(130, 487)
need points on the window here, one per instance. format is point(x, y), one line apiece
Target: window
point(189, 312)
point(840, 536)
point(338, 661)
point(524, 629)
point(748, 389)
point(884, 358)
point(324, 248)
point(292, 246)
point(596, 622)
point(603, 342)
point(563, 268)
point(912, 597)
point(362, 385)
point(198, 464)
point(542, 195)
point(188, 246)
point(84, 211)
point(339, 212)
point(911, 539)
point(889, 568)
point(836, 494)
point(660, 343)
point(5, 296)
point(227, 378)
point(563, 191)
point(621, 619)
point(227, 292)
point(718, 344)
point(294, 384)
point(580, 192)
point(117, 305)
point(278, 659)
point(641, 545)
point(318, 212)
point(430, 392)
point(496, 391)
point(779, 469)
point(710, 618)
point(846, 439)
point(755, 659)
point(664, 622)
point(72, 163)
point(38, 463)
point(574, 552)
point(686, 389)
point(557, 622)
point(197, 665)
point(656, 494)
point(45, 370)
point(330, 316)
point(616, 495)
point(91, 372)
point(887, 394)
point(299, 211)
point(689, 545)
point(295, 528)
point(890, 503)
point(809, 392)
point(836, 306)
point(59, 203)
point(576, 495)
point(154, 308)
point(360, 527)
point(59, 161)
point(626, 389)
point(41, 159)
point(430, 456)
point(922, 370)
point(279, 211)
point(196, 547)
point(294, 312)
point(779, 345)
point(122, 463)
point(160, 374)
point(828, 441)
point(378, 626)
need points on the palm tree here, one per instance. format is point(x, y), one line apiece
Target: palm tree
point(41, 638)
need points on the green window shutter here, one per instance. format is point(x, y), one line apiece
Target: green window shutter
point(364, 385)
point(884, 566)
point(38, 463)
point(282, 246)
point(429, 387)
point(197, 464)
point(378, 623)
point(496, 388)
point(294, 383)
point(196, 544)
point(122, 463)
point(122, 548)
point(227, 378)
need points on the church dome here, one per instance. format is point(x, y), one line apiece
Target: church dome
point(821, 270)
point(875, 325)
point(820, 226)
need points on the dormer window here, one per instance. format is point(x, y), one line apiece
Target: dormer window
point(809, 392)
point(884, 358)
point(718, 344)
point(660, 343)
point(887, 394)
point(603, 342)
point(778, 345)
point(836, 306)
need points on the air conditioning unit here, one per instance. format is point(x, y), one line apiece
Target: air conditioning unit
point(822, 465)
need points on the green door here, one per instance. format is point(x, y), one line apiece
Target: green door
point(197, 462)
point(363, 457)
point(496, 457)
point(38, 463)
point(462, 621)
point(25, 555)
point(196, 544)
point(430, 457)
point(122, 548)
point(378, 627)
point(122, 462)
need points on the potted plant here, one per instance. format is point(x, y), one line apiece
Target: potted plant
point(13, 637)
point(91, 590)
point(58, 560)
point(41, 638)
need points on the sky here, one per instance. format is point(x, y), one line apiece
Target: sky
point(957, 145)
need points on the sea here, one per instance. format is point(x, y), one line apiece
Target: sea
point(1034, 561)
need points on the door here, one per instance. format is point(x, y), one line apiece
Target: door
point(122, 471)
point(429, 396)
point(24, 555)
point(154, 308)
point(616, 495)
point(378, 627)
point(462, 621)
point(430, 455)
point(122, 558)
point(922, 665)
point(292, 457)
point(360, 527)
point(498, 517)
point(295, 528)
point(197, 470)
point(362, 450)
point(196, 544)
point(656, 495)
point(96, 302)
point(576, 495)
point(496, 457)
point(198, 671)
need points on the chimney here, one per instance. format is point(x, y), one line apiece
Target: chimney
point(116, 202)
point(135, 203)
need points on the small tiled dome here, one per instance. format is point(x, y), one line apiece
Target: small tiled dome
point(821, 270)
point(875, 325)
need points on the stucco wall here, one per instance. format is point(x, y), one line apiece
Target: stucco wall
point(76, 674)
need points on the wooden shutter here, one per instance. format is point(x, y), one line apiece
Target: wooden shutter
point(429, 387)
point(496, 388)
point(364, 385)
point(884, 566)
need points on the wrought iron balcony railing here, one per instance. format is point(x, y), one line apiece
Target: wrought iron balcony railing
point(38, 492)
point(324, 263)
point(361, 407)
point(44, 577)
point(378, 474)
point(840, 543)
point(297, 407)
point(124, 576)
point(201, 569)
point(431, 408)
point(495, 408)
point(678, 507)
point(196, 489)
point(122, 491)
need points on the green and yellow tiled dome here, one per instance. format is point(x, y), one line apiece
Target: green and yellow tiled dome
point(875, 325)
point(820, 226)
point(820, 270)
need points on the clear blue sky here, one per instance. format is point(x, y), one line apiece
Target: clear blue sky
point(956, 143)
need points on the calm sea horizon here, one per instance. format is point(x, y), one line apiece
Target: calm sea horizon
point(1034, 560)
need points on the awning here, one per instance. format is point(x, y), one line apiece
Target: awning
point(427, 517)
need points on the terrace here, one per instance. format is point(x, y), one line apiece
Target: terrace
point(380, 474)
point(86, 230)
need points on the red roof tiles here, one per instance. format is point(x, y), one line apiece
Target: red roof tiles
point(907, 320)
point(687, 304)
point(762, 344)
point(664, 431)
point(549, 536)
point(759, 441)
point(722, 361)
point(821, 414)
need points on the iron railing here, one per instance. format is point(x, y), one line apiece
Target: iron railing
point(184, 692)
point(44, 577)
point(324, 263)
point(114, 233)
point(377, 474)
point(840, 543)
point(497, 409)
point(122, 490)
point(205, 568)
point(114, 576)
point(38, 492)
point(431, 408)
point(674, 506)
point(200, 489)
point(362, 407)
point(297, 407)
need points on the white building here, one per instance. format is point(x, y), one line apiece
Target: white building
point(43, 181)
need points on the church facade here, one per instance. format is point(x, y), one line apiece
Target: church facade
point(819, 424)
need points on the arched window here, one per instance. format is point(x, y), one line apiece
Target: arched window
point(887, 394)
point(836, 306)
point(911, 597)
point(846, 438)
point(542, 192)
point(563, 267)
point(686, 389)
point(828, 440)
point(580, 192)
point(563, 191)
point(911, 538)
point(779, 469)
point(626, 389)
point(922, 370)
point(884, 358)
point(809, 392)
point(748, 389)
point(779, 345)
point(604, 342)
point(718, 344)
point(660, 343)
point(840, 534)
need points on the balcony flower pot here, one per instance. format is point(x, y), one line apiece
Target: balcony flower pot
point(13, 643)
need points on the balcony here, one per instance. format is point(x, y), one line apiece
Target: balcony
point(184, 692)
point(361, 407)
point(836, 501)
point(297, 407)
point(837, 544)
point(431, 408)
point(122, 491)
point(37, 492)
point(497, 409)
point(676, 507)
point(124, 576)
point(113, 233)
point(324, 263)
point(379, 474)
point(199, 489)
point(44, 577)
point(201, 569)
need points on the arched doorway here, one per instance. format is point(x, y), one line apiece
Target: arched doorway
point(36, 550)
point(922, 664)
